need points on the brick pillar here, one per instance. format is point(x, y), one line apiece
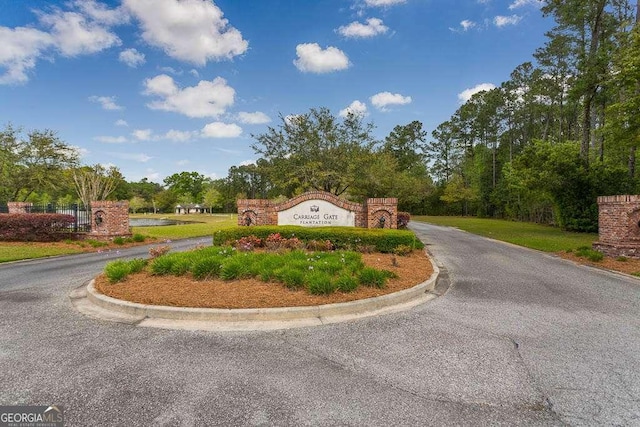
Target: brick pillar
point(382, 213)
point(19, 207)
point(619, 225)
point(256, 212)
point(110, 219)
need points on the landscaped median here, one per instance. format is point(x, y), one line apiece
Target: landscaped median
point(278, 277)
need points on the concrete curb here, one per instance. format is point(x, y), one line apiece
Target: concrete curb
point(101, 306)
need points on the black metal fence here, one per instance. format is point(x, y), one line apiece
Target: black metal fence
point(81, 215)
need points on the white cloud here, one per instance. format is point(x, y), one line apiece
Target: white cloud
point(188, 30)
point(221, 130)
point(247, 162)
point(121, 123)
point(111, 139)
point(465, 25)
point(466, 94)
point(132, 57)
point(356, 107)
point(82, 30)
point(384, 99)
point(257, 118)
point(194, 73)
point(178, 135)
point(171, 70)
point(19, 50)
point(313, 59)
point(373, 27)
point(501, 21)
point(383, 3)
point(142, 134)
point(100, 13)
point(182, 162)
point(76, 34)
point(207, 99)
point(106, 102)
point(522, 3)
point(152, 175)
point(137, 157)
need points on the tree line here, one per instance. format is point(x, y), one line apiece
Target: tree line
point(561, 131)
point(541, 147)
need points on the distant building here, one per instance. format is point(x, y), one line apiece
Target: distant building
point(191, 208)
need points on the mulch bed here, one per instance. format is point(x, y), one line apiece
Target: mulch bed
point(186, 292)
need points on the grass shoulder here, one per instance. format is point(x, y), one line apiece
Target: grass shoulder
point(535, 236)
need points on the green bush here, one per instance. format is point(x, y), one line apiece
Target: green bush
point(234, 268)
point(206, 267)
point(320, 283)
point(346, 283)
point(372, 277)
point(117, 271)
point(291, 277)
point(138, 238)
point(118, 240)
point(383, 240)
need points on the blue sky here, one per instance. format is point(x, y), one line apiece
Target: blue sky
point(157, 87)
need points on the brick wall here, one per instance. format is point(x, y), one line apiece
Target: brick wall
point(110, 219)
point(619, 225)
point(367, 215)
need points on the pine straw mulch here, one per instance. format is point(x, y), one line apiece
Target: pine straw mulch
point(630, 266)
point(187, 292)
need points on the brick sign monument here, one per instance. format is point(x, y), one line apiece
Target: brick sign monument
point(319, 209)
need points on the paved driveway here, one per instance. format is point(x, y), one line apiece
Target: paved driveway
point(520, 338)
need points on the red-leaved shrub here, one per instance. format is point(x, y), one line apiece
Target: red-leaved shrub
point(403, 219)
point(35, 227)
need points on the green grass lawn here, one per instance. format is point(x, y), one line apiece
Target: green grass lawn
point(534, 236)
point(205, 226)
point(15, 252)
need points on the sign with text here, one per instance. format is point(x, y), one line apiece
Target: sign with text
point(317, 213)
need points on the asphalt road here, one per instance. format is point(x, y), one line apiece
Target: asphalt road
point(520, 338)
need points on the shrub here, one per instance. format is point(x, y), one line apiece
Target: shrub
point(403, 220)
point(403, 250)
point(117, 271)
point(161, 266)
point(346, 283)
point(118, 240)
point(234, 268)
point(138, 238)
point(622, 259)
point(35, 227)
point(206, 268)
point(319, 245)
point(273, 241)
point(319, 283)
point(247, 243)
point(384, 240)
point(372, 277)
point(291, 277)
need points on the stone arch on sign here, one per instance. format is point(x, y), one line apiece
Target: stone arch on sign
point(316, 213)
point(382, 218)
point(249, 218)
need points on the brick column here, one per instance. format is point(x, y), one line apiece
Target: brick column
point(382, 213)
point(110, 219)
point(19, 207)
point(619, 225)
